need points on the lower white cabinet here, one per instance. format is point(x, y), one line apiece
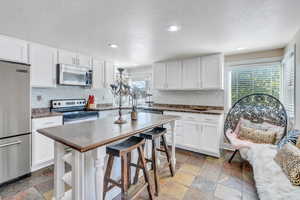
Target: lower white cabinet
point(42, 146)
point(197, 132)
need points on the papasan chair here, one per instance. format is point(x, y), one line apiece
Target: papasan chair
point(257, 108)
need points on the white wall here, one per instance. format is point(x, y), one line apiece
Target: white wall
point(296, 41)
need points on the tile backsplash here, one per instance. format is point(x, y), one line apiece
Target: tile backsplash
point(203, 98)
point(40, 97)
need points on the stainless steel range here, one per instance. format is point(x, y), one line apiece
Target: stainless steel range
point(74, 110)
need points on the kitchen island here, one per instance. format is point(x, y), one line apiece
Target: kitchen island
point(87, 157)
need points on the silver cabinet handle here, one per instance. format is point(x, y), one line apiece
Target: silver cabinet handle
point(11, 143)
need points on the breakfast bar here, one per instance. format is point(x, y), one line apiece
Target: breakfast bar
point(83, 146)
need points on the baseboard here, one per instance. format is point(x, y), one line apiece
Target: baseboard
point(42, 165)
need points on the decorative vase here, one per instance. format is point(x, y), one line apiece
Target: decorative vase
point(134, 115)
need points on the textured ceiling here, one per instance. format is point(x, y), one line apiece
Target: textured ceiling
point(139, 26)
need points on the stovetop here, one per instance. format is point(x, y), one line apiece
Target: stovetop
point(73, 109)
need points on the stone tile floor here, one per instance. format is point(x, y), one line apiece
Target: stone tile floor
point(198, 177)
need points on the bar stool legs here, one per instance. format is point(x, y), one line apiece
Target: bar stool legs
point(153, 137)
point(123, 150)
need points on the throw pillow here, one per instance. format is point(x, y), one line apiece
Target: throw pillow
point(265, 126)
point(291, 137)
point(288, 158)
point(257, 136)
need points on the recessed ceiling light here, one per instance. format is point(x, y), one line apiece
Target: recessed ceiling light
point(113, 46)
point(173, 28)
point(240, 48)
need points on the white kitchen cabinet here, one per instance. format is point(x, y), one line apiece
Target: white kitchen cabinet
point(191, 73)
point(42, 146)
point(12, 49)
point(98, 74)
point(212, 71)
point(43, 61)
point(67, 57)
point(194, 137)
point(83, 60)
point(210, 134)
point(72, 58)
point(173, 75)
point(159, 75)
point(109, 74)
point(197, 132)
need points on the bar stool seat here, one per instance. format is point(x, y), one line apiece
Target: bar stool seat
point(152, 135)
point(124, 147)
point(123, 150)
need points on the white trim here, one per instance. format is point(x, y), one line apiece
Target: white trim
point(254, 61)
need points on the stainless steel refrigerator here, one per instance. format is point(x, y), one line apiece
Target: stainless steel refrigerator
point(15, 117)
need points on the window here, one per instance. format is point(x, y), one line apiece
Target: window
point(248, 79)
point(143, 85)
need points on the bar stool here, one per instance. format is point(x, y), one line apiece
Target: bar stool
point(152, 135)
point(123, 150)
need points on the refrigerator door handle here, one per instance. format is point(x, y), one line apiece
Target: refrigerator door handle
point(10, 144)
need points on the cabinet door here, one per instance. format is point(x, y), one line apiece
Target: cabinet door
point(13, 49)
point(109, 74)
point(191, 73)
point(98, 74)
point(210, 139)
point(212, 71)
point(159, 75)
point(174, 75)
point(43, 65)
point(83, 60)
point(193, 135)
point(42, 146)
point(67, 57)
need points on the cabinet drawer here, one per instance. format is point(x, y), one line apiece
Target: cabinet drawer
point(211, 118)
point(46, 122)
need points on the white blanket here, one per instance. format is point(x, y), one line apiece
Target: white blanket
point(271, 182)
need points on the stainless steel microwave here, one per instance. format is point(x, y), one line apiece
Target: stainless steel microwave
point(74, 75)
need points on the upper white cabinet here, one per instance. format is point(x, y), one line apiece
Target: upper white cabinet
point(191, 73)
point(173, 75)
point(212, 71)
point(98, 74)
point(159, 75)
point(67, 57)
point(43, 61)
point(12, 49)
point(109, 73)
point(83, 60)
point(204, 72)
point(72, 58)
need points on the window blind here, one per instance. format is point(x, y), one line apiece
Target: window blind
point(264, 78)
point(288, 64)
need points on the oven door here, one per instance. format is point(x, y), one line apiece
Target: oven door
point(74, 75)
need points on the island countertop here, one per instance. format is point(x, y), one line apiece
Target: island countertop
point(87, 136)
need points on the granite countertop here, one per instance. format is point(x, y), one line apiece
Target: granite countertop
point(213, 110)
point(87, 136)
point(43, 112)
